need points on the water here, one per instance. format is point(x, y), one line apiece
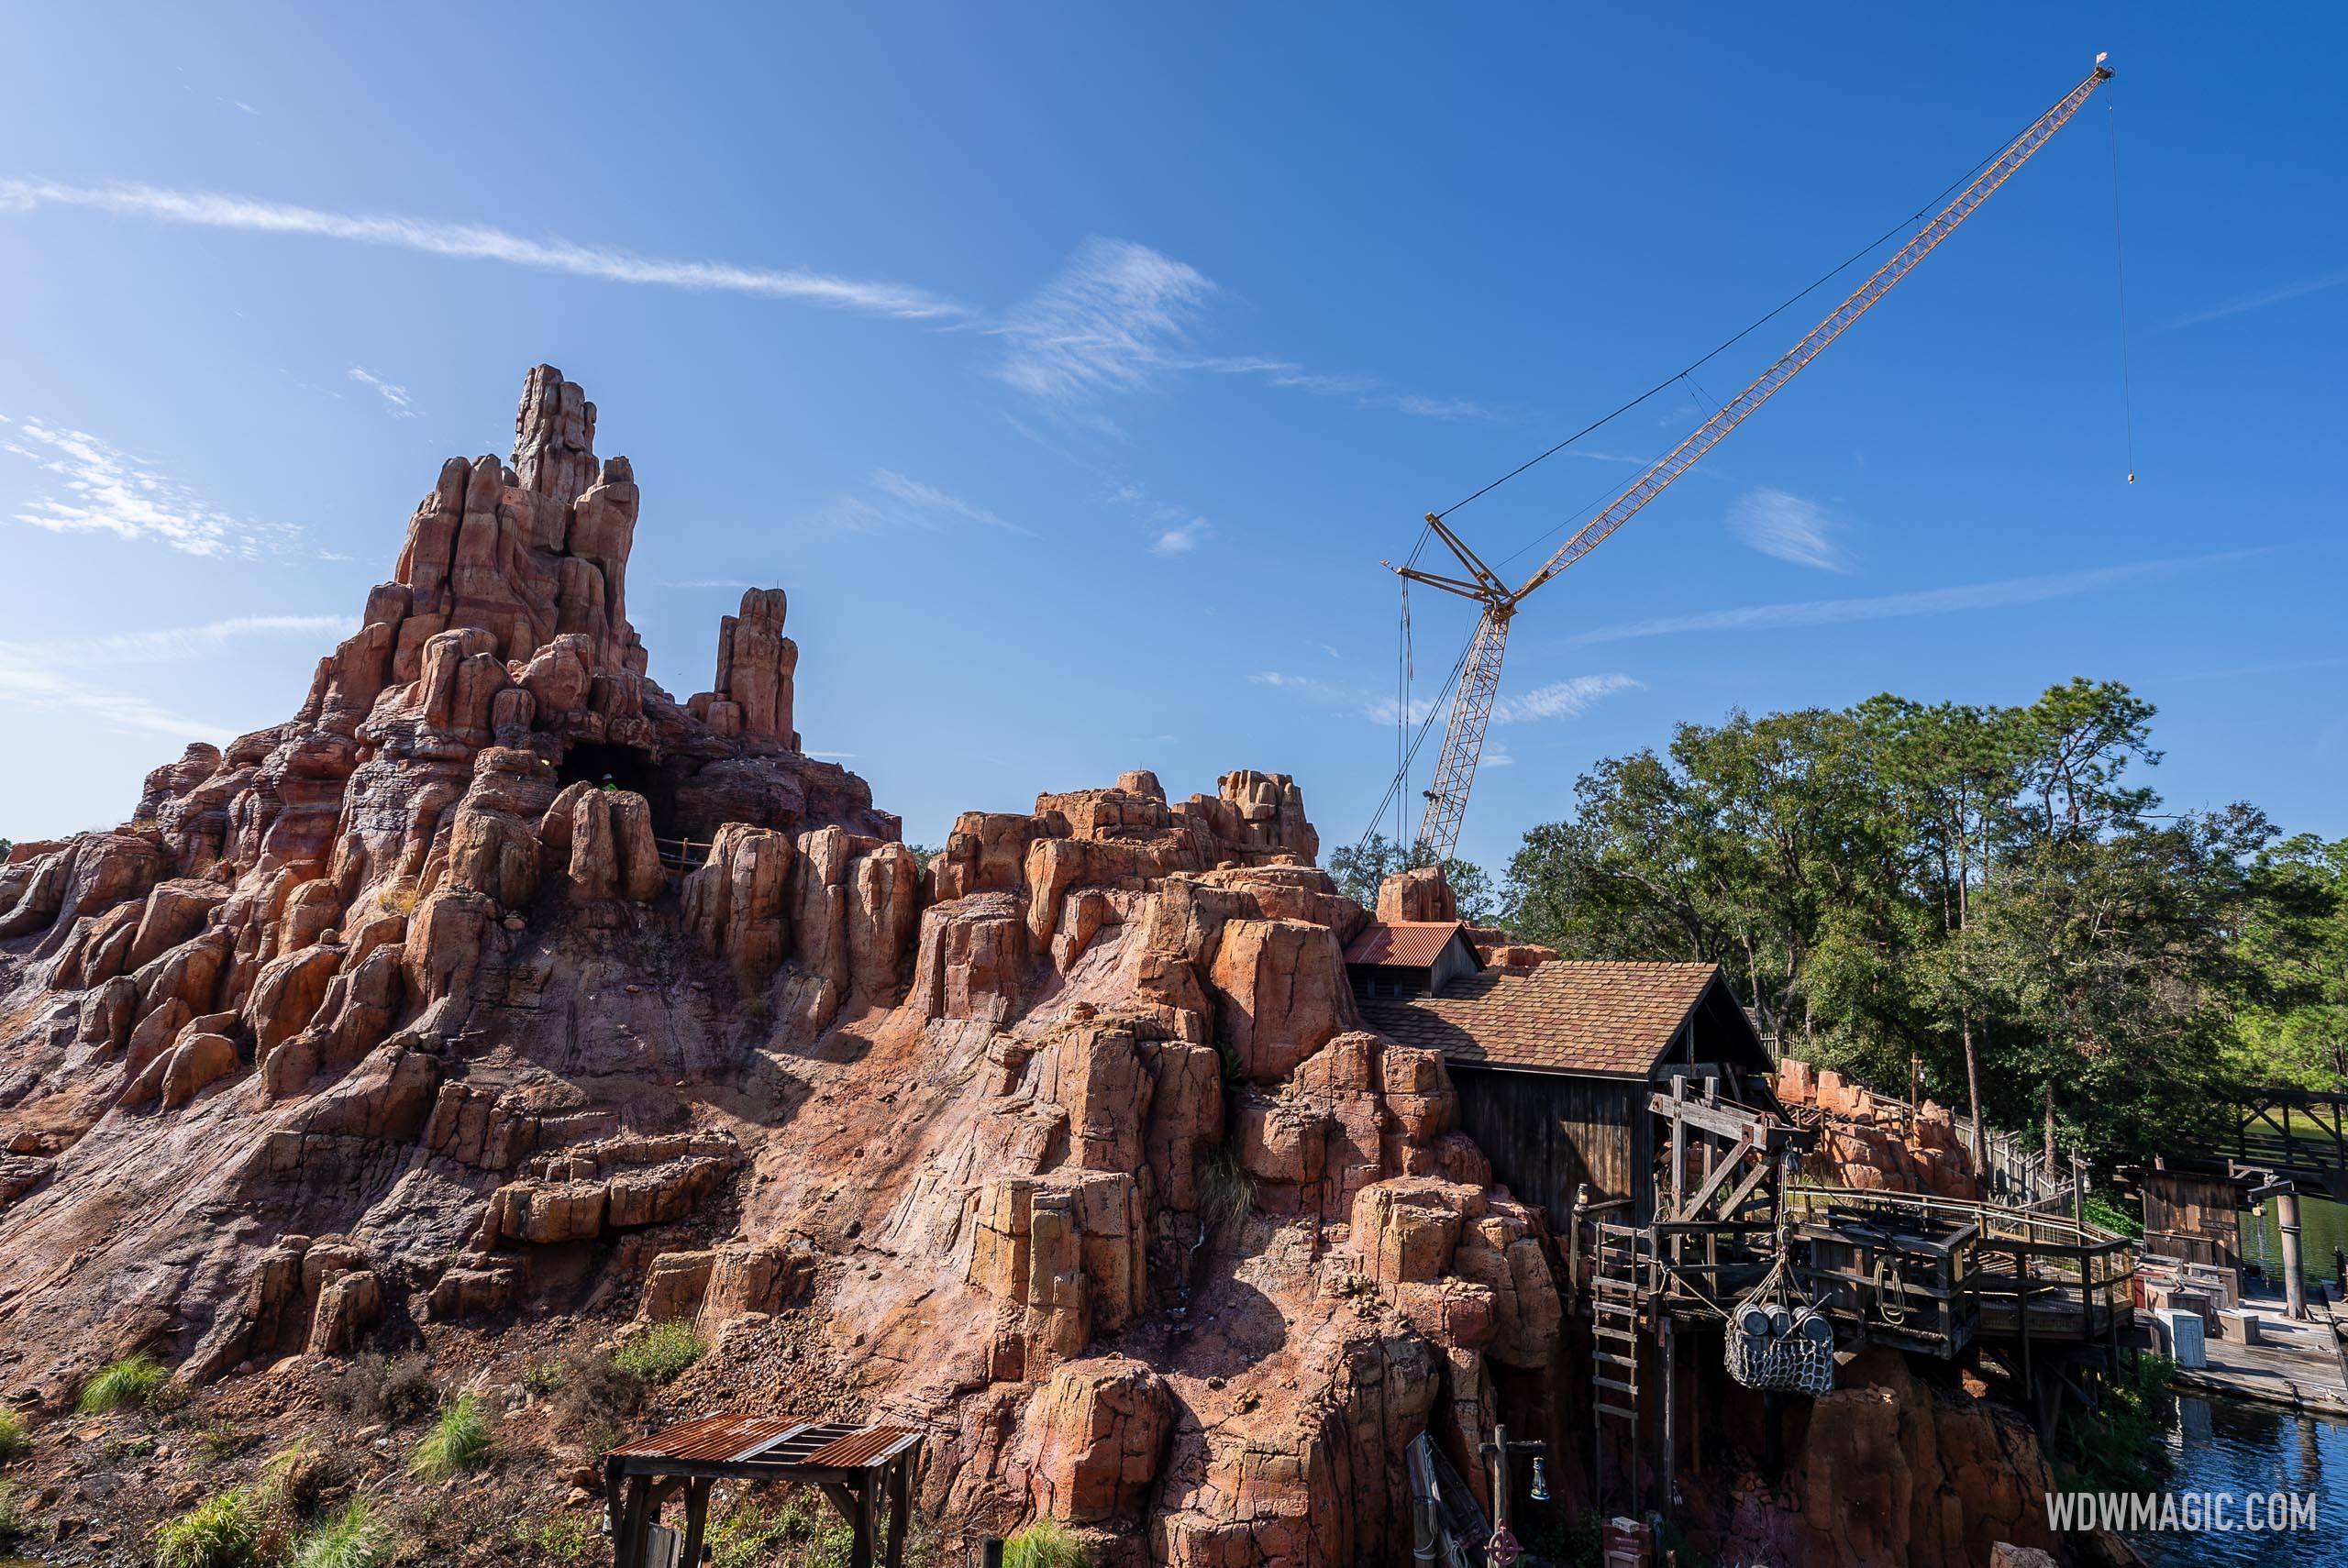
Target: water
point(2228, 1445)
point(2323, 1225)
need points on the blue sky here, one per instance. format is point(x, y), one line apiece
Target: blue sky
point(1074, 367)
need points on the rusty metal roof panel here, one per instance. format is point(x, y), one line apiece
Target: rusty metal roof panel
point(1404, 943)
point(712, 1440)
point(857, 1450)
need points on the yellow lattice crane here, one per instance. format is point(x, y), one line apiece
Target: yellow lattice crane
point(1480, 672)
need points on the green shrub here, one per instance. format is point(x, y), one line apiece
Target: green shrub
point(126, 1382)
point(543, 1376)
point(1044, 1544)
point(2122, 1444)
point(222, 1531)
point(220, 1442)
point(16, 1438)
point(12, 1513)
point(660, 1351)
point(457, 1442)
point(802, 1528)
point(568, 1538)
point(2102, 1211)
point(350, 1537)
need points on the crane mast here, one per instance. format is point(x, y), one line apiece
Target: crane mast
point(1480, 671)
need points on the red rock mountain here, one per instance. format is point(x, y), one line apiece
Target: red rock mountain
point(497, 988)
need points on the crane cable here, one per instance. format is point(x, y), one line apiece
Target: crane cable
point(1396, 789)
point(2120, 269)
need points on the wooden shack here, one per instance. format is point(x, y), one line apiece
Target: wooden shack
point(1409, 957)
point(1557, 1065)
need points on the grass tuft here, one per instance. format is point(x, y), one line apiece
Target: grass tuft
point(660, 1353)
point(349, 1537)
point(1225, 1190)
point(1046, 1543)
point(127, 1382)
point(16, 1438)
point(222, 1531)
point(13, 1522)
point(459, 1441)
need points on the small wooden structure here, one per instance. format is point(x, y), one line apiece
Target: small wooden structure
point(1556, 1066)
point(862, 1469)
point(1409, 957)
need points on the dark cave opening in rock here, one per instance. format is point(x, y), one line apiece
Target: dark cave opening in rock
point(622, 768)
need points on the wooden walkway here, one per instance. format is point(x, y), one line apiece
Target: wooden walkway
point(2296, 1365)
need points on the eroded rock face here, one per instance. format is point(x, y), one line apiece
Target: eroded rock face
point(1889, 1470)
point(495, 984)
point(1876, 1144)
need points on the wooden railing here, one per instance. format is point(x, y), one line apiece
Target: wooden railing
point(2031, 1275)
point(682, 854)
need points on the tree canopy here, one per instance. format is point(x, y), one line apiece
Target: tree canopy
point(1994, 892)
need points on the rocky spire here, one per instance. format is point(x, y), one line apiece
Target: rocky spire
point(554, 437)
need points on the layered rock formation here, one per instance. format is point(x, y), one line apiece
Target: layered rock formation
point(496, 985)
point(498, 991)
point(1869, 1142)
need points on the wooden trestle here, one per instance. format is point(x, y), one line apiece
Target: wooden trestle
point(861, 1470)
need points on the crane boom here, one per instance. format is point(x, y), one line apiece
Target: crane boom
point(1480, 673)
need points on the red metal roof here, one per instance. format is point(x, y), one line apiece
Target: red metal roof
point(1404, 943)
point(1564, 1016)
point(717, 1440)
point(859, 1449)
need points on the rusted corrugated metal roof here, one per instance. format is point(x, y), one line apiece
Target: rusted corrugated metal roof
point(1402, 944)
point(712, 1440)
point(859, 1449)
point(1564, 1016)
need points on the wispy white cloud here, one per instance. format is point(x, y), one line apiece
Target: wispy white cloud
point(27, 685)
point(1779, 522)
point(1559, 700)
point(893, 500)
point(403, 406)
point(1181, 538)
point(475, 242)
point(163, 644)
point(106, 490)
point(1120, 317)
point(44, 676)
point(709, 582)
point(2003, 595)
point(930, 499)
point(1111, 320)
point(2243, 304)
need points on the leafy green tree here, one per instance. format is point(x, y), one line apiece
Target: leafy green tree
point(1359, 868)
point(2292, 1026)
point(1988, 891)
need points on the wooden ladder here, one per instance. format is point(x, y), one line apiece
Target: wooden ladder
point(1620, 1264)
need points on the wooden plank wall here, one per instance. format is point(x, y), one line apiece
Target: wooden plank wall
point(1546, 1134)
point(2192, 1217)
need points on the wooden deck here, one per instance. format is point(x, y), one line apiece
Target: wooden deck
point(2296, 1365)
point(1932, 1274)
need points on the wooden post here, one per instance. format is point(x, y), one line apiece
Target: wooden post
point(1670, 1351)
point(696, 1522)
point(868, 1517)
point(900, 1510)
point(635, 1524)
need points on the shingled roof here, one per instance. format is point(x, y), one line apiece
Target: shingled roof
point(1564, 1016)
point(1404, 944)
